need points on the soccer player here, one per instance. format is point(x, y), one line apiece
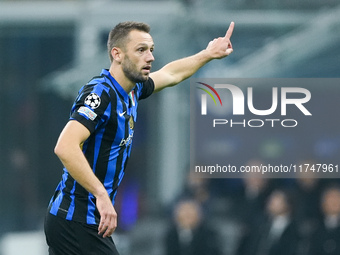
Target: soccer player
point(95, 144)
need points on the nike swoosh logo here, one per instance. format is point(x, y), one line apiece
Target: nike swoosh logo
point(121, 114)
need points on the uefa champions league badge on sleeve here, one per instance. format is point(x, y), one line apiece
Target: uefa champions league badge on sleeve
point(92, 100)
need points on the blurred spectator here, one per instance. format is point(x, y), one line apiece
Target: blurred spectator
point(307, 191)
point(249, 206)
point(190, 234)
point(326, 239)
point(256, 190)
point(275, 233)
point(198, 189)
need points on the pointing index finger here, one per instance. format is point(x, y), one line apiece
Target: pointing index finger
point(230, 30)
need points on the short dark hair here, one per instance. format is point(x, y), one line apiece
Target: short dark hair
point(119, 34)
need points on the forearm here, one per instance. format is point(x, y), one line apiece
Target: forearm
point(184, 68)
point(76, 164)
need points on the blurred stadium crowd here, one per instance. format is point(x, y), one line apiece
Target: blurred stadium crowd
point(269, 216)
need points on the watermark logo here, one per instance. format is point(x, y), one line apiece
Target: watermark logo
point(294, 96)
point(239, 99)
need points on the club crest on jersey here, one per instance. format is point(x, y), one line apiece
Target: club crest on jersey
point(92, 100)
point(131, 122)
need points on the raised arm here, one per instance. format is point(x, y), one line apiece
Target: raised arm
point(68, 149)
point(179, 70)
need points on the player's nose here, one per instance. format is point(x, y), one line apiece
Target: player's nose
point(149, 57)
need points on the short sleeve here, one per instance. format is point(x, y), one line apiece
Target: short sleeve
point(147, 89)
point(90, 107)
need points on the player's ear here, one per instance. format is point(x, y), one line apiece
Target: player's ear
point(116, 54)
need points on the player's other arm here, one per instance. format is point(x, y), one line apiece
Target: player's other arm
point(68, 149)
point(179, 70)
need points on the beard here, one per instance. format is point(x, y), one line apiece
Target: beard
point(131, 72)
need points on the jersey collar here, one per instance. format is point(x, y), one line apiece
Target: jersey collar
point(116, 85)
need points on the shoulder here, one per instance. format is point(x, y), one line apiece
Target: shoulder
point(145, 89)
point(98, 87)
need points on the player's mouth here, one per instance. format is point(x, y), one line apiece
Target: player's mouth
point(147, 68)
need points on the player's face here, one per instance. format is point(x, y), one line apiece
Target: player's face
point(138, 57)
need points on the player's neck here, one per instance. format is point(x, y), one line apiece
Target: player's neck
point(117, 73)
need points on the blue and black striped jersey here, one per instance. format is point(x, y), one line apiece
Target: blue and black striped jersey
point(109, 113)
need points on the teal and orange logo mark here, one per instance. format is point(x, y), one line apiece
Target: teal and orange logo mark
point(204, 97)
